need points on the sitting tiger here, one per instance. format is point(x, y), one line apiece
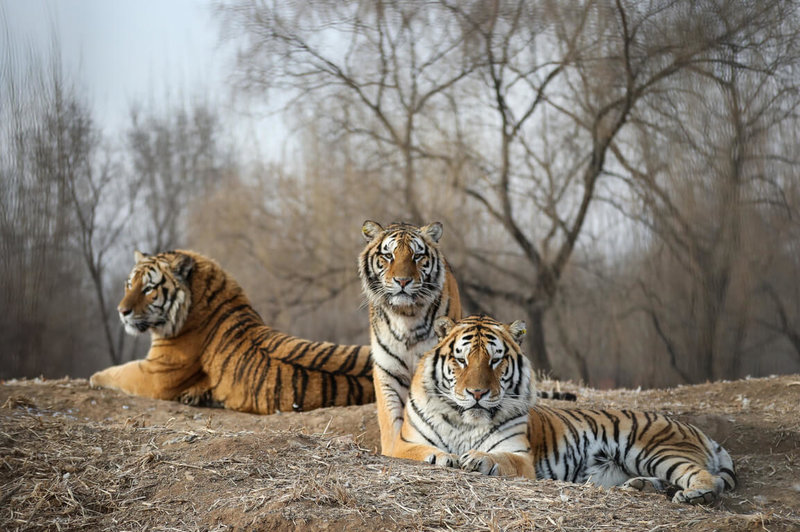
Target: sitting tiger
point(470, 407)
point(209, 346)
point(408, 284)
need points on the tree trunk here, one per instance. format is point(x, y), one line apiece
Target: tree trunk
point(537, 347)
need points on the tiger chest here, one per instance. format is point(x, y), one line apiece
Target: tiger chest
point(399, 342)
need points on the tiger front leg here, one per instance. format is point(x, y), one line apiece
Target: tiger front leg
point(498, 464)
point(157, 379)
point(390, 405)
point(134, 378)
point(424, 453)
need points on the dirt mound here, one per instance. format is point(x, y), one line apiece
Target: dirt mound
point(73, 457)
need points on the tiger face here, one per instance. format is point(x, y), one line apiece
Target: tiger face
point(401, 265)
point(157, 295)
point(482, 370)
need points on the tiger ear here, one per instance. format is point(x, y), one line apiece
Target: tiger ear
point(183, 266)
point(518, 329)
point(138, 256)
point(442, 326)
point(371, 229)
point(434, 230)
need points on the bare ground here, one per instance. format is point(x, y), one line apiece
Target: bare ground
point(72, 457)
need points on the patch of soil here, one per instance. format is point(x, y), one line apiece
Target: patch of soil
point(72, 457)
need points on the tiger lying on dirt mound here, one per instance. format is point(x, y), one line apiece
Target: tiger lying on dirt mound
point(209, 346)
point(470, 407)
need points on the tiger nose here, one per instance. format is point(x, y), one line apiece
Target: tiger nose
point(402, 281)
point(124, 310)
point(477, 393)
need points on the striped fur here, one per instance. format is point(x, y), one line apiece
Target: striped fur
point(408, 284)
point(468, 408)
point(209, 346)
point(469, 400)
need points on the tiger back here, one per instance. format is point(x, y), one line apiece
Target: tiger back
point(465, 410)
point(408, 284)
point(210, 347)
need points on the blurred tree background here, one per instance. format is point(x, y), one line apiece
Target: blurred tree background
point(622, 175)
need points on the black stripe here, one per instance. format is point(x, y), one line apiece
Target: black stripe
point(513, 434)
point(322, 356)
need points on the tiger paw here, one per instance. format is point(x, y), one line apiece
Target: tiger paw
point(443, 459)
point(695, 497)
point(644, 484)
point(101, 379)
point(94, 381)
point(190, 398)
point(194, 397)
point(481, 462)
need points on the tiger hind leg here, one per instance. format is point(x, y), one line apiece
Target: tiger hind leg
point(200, 394)
point(703, 488)
point(704, 484)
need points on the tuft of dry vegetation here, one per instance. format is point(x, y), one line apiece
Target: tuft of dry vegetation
point(73, 457)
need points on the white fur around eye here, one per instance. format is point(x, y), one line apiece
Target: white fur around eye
point(448, 371)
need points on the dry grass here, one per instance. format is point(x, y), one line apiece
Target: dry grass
point(68, 463)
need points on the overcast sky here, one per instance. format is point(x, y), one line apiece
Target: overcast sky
point(123, 51)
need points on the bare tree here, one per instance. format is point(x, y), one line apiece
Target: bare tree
point(704, 195)
point(526, 108)
point(604, 61)
point(291, 239)
point(372, 71)
point(46, 140)
point(176, 155)
point(103, 202)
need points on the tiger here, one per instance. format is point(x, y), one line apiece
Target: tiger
point(407, 284)
point(209, 347)
point(471, 406)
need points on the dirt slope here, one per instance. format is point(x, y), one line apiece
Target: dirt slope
point(72, 457)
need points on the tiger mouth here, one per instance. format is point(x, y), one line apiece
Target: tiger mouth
point(479, 409)
point(476, 406)
point(403, 299)
point(141, 325)
point(404, 295)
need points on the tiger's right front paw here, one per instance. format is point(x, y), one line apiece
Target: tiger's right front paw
point(483, 463)
point(98, 380)
point(443, 459)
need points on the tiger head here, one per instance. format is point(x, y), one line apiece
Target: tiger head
point(401, 266)
point(478, 369)
point(157, 294)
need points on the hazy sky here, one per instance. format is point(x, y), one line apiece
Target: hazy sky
point(123, 51)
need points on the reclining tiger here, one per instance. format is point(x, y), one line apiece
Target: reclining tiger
point(408, 284)
point(210, 347)
point(471, 406)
